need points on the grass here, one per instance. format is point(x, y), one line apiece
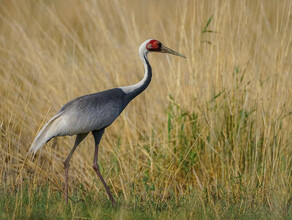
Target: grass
point(209, 138)
point(43, 202)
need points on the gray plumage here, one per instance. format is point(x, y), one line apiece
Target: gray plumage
point(95, 111)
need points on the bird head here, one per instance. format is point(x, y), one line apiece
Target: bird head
point(156, 46)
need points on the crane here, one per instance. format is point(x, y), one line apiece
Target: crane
point(95, 112)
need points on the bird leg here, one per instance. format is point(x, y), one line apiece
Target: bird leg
point(97, 136)
point(78, 139)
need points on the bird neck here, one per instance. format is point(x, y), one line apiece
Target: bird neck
point(133, 90)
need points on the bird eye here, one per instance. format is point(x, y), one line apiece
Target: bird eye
point(149, 46)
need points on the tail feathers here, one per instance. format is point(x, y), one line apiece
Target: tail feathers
point(45, 134)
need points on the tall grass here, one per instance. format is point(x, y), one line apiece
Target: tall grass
point(216, 125)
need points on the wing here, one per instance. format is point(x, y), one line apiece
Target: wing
point(82, 115)
point(46, 133)
point(93, 112)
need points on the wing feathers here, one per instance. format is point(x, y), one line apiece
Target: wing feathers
point(46, 133)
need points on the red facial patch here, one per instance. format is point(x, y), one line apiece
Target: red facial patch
point(154, 45)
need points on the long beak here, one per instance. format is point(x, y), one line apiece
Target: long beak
point(165, 49)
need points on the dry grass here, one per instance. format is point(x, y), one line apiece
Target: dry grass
point(217, 123)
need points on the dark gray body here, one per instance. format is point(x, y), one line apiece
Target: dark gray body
point(94, 111)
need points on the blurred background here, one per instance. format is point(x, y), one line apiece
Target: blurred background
point(216, 125)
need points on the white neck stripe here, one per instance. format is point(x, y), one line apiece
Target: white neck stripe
point(143, 55)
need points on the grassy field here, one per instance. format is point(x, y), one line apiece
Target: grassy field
point(209, 138)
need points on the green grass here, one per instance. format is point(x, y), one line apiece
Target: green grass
point(46, 203)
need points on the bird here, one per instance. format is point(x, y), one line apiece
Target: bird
point(95, 112)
